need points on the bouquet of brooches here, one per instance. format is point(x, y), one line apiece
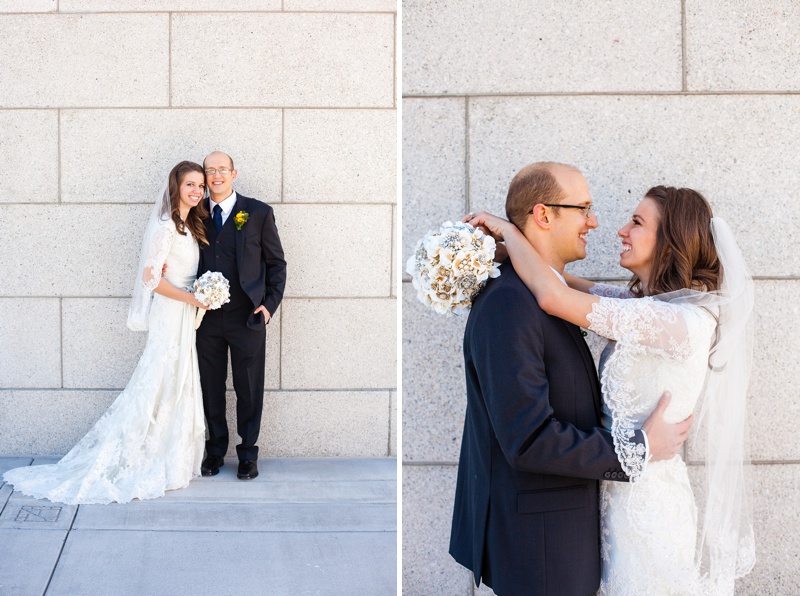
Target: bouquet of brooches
point(213, 290)
point(451, 266)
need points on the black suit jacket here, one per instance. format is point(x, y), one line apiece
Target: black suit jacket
point(526, 517)
point(259, 257)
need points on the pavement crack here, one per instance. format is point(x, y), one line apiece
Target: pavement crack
point(61, 551)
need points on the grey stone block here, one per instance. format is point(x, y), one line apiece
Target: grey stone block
point(71, 250)
point(28, 6)
point(30, 150)
point(428, 493)
point(99, 352)
point(340, 156)
point(100, 562)
point(394, 278)
point(30, 336)
point(48, 422)
point(511, 47)
point(39, 549)
point(434, 154)
point(325, 424)
point(167, 5)
point(319, 240)
point(773, 408)
point(743, 47)
point(434, 391)
point(97, 60)
point(318, 424)
point(285, 59)
point(342, 5)
point(727, 147)
point(135, 150)
point(339, 344)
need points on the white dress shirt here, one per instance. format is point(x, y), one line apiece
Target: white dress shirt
point(226, 205)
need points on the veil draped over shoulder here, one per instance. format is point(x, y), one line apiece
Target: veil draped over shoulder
point(726, 545)
point(155, 245)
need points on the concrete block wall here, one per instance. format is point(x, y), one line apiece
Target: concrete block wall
point(697, 93)
point(98, 100)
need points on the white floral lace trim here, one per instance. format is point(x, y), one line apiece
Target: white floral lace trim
point(637, 325)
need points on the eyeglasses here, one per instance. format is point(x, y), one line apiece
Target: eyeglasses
point(588, 210)
point(222, 171)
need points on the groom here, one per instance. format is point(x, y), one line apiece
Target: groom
point(526, 518)
point(244, 246)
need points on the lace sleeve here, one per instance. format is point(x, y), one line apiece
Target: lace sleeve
point(609, 291)
point(156, 255)
point(649, 323)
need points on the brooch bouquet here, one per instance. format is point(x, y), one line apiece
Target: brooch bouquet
point(213, 290)
point(451, 266)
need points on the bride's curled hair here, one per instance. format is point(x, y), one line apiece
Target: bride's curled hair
point(684, 256)
point(195, 220)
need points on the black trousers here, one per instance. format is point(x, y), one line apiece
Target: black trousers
point(220, 331)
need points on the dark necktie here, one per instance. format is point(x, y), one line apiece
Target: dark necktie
point(218, 217)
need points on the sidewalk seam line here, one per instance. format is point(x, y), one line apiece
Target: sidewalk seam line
point(61, 551)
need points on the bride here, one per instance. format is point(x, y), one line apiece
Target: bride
point(151, 439)
point(681, 326)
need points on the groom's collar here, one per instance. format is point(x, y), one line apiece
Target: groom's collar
point(561, 277)
point(227, 204)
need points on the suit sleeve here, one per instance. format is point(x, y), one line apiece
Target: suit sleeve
point(272, 257)
point(508, 361)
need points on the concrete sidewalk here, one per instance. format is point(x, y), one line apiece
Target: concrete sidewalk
point(304, 526)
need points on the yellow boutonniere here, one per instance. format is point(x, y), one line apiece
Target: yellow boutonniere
point(241, 219)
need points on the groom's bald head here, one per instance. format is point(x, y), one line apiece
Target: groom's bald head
point(535, 183)
point(215, 155)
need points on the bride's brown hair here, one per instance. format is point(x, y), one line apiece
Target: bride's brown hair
point(197, 214)
point(684, 256)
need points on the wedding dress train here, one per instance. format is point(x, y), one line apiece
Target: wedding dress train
point(151, 439)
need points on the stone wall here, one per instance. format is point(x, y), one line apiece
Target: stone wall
point(98, 100)
point(697, 93)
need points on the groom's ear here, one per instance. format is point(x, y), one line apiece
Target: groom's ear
point(539, 216)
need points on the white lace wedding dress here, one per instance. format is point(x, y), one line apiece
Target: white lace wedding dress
point(649, 525)
point(151, 439)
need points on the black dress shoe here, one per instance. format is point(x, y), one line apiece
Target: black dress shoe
point(211, 465)
point(247, 469)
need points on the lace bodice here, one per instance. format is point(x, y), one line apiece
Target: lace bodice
point(655, 347)
point(180, 253)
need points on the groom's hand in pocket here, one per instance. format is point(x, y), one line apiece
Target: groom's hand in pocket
point(664, 439)
point(261, 309)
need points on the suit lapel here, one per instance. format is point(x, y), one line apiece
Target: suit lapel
point(588, 362)
point(239, 206)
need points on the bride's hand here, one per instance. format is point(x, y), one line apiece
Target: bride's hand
point(497, 227)
point(195, 302)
